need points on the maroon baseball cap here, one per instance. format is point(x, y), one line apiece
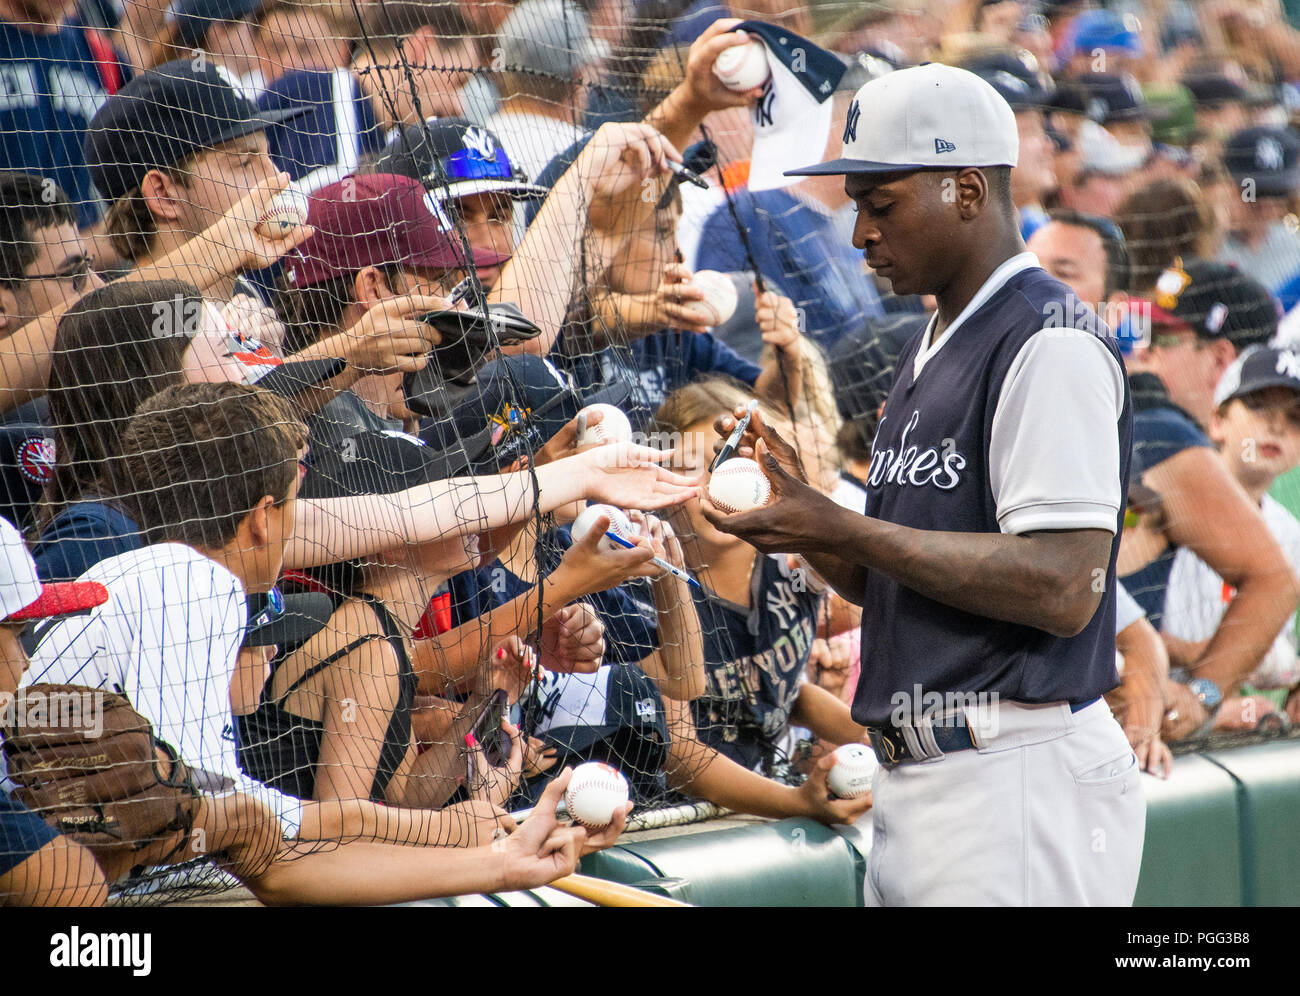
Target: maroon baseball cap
point(373, 220)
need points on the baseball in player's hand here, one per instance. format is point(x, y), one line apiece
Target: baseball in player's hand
point(819, 803)
point(793, 521)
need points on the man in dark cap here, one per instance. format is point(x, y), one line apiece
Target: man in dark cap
point(1265, 163)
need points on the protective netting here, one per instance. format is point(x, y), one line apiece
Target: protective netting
point(487, 245)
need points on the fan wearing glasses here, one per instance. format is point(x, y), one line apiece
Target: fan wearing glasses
point(44, 260)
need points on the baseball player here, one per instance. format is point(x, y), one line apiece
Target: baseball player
point(985, 561)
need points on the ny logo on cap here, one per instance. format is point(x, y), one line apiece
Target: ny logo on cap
point(1268, 153)
point(1010, 82)
point(851, 123)
point(1287, 364)
point(940, 146)
point(478, 140)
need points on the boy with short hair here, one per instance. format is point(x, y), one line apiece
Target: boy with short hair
point(1256, 426)
point(211, 472)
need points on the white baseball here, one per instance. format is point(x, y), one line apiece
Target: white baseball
point(619, 525)
point(613, 426)
point(720, 297)
point(743, 67)
point(285, 212)
point(595, 793)
point(855, 766)
point(739, 485)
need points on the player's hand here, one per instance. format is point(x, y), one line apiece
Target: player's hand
point(702, 90)
point(1184, 714)
point(628, 475)
point(815, 794)
point(542, 850)
point(594, 569)
point(387, 338)
point(794, 521)
point(573, 640)
point(781, 451)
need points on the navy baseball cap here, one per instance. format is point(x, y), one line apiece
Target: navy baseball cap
point(1269, 157)
point(193, 18)
point(1109, 98)
point(374, 463)
point(164, 116)
point(1216, 301)
point(926, 117)
point(456, 158)
point(519, 404)
point(1257, 369)
point(276, 620)
point(1016, 77)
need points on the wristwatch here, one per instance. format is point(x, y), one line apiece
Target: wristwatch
point(1207, 693)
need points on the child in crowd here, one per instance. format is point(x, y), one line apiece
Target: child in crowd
point(1256, 426)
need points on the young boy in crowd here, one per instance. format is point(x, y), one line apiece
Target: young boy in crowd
point(1256, 426)
point(168, 638)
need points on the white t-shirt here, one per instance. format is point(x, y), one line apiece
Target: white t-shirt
point(1053, 452)
point(1197, 598)
point(167, 639)
point(19, 585)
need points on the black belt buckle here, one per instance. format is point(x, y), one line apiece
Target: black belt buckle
point(889, 745)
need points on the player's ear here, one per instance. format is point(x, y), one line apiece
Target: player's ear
point(969, 190)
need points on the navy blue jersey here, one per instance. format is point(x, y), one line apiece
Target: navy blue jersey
point(930, 469)
point(754, 659)
point(801, 253)
point(50, 88)
point(330, 139)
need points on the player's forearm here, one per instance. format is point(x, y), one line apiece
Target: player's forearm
point(1247, 630)
point(846, 579)
point(1044, 580)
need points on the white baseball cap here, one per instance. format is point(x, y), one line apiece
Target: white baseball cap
point(926, 117)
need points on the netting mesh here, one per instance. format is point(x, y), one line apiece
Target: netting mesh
point(408, 472)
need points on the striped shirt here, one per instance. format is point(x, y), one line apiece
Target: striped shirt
point(167, 639)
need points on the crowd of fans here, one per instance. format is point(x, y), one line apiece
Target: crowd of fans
point(325, 476)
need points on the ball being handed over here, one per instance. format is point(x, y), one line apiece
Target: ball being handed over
point(595, 793)
point(739, 485)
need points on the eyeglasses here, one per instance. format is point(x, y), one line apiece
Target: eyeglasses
point(77, 268)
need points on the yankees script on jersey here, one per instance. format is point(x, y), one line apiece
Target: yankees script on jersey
point(1005, 424)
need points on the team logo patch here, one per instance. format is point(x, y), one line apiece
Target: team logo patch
point(36, 459)
point(477, 140)
point(851, 123)
point(940, 146)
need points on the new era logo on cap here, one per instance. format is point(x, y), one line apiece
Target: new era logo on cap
point(907, 112)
